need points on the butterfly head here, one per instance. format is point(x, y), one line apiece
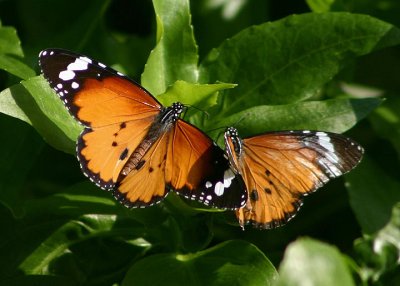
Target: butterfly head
point(233, 147)
point(171, 114)
point(232, 137)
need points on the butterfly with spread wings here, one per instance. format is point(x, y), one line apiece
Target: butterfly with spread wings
point(133, 145)
point(279, 168)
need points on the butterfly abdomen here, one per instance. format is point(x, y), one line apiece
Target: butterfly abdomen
point(163, 123)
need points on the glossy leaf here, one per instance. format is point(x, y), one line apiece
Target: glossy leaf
point(229, 263)
point(36, 103)
point(291, 59)
point(335, 115)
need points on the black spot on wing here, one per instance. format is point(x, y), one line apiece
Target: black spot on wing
point(123, 154)
point(254, 195)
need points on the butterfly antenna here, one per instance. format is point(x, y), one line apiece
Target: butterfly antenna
point(199, 109)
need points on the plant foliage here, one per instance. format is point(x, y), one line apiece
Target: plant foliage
point(324, 65)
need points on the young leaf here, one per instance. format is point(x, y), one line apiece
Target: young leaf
point(175, 55)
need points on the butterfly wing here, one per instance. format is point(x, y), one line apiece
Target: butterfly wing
point(279, 168)
point(116, 111)
point(145, 184)
point(197, 169)
point(184, 159)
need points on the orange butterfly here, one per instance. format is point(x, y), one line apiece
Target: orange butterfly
point(279, 168)
point(133, 145)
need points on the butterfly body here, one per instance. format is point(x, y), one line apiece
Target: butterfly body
point(131, 144)
point(279, 168)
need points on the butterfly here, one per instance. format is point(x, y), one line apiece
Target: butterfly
point(134, 146)
point(279, 168)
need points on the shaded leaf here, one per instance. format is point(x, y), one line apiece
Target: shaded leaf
point(20, 147)
point(372, 194)
point(379, 254)
point(386, 121)
point(229, 263)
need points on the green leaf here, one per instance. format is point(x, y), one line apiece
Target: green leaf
point(21, 147)
point(201, 96)
point(11, 52)
point(320, 6)
point(291, 59)
point(175, 55)
point(386, 121)
point(379, 254)
point(34, 102)
point(309, 262)
point(372, 194)
point(335, 115)
point(229, 263)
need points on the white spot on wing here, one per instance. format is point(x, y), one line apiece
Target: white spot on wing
point(208, 184)
point(66, 75)
point(228, 177)
point(74, 85)
point(219, 189)
point(86, 59)
point(325, 141)
point(78, 65)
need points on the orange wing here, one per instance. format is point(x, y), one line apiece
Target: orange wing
point(197, 169)
point(186, 160)
point(115, 111)
point(145, 184)
point(279, 168)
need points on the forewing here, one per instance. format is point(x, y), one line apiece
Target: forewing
point(116, 111)
point(94, 94)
